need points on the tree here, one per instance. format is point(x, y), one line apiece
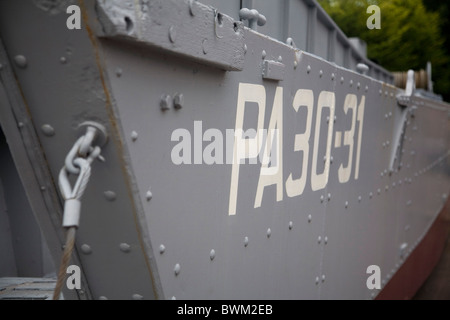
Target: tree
point(409, 35)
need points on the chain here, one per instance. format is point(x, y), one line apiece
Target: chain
point(78, 162)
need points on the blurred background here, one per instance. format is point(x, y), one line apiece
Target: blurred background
point(412, 32)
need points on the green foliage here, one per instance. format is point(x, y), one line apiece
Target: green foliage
point(409, 35)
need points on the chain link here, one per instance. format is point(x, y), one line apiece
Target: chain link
point(78, 162)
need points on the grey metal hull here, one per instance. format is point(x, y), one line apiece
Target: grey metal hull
point(360, 176)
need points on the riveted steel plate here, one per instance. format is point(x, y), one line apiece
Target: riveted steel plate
point(184, 207)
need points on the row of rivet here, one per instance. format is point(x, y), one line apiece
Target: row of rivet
point(172, 31)
point(432, 165)
point(124, 247)
point(386, 93)
point(212, 253)
point(333, 76)
point(22, 62)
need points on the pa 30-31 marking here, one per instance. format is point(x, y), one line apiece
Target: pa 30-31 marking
point(251, 147)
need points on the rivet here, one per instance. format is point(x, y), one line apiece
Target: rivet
point(178, 101)
point(63, 60)
point(20, 124)
point(317, 280)
point(119, 72)
point(319, 240)
point(164, 103)
point(378, 190)
point(134, 136)
point(323, 278)
point(381, 174)
point(325, 240)
point(342, 79)
point(177, 269)
point(295, 64)
point(320, 73)
point(269, 233)
point(43, 188)
point(48, 130)
point(359, 199)
point(205, 46)
point(110, 195)
point(351, 83)
point(172, 34)
point(280, 59)
point(366, 88)
point(331, 160)
point(346, 204)
point(291, 225)
point(125, 247)
point(309, 218)
point(332, 76)
point(191, 8)
point(212, 254)
point(308, 69)
point(329, 197)
point(102, 298)
point(245, 48)
point(149, 195)
point(245, 241)
point(162, 249)
point(263, 54)
point(137, 297)
point(86, 249)
point(370, 195)
point(386, 188)
point(173, 298)
point(21, 61)
point(358, 85)
point(322, 198)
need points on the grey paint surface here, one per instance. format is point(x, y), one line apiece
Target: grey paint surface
point(319, 244)
point(8, 261)
point(25, 234)
point(23, 250)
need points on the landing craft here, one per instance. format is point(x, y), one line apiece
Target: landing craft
point(343, 198)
